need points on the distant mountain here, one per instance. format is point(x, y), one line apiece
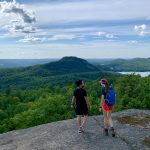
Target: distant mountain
point(136, 64)
point(60, 72)
point(63, 66)
point(16, 63)
point(70, 65)
point(13, 63)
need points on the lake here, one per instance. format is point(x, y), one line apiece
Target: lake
point(143, 74)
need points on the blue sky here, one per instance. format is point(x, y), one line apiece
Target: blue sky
point(82, 28)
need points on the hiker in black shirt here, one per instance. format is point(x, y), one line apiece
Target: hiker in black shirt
point(81, 103)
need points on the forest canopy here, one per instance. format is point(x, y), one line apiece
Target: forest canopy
point(30, 107)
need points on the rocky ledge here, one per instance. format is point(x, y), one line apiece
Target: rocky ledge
point(132, 128)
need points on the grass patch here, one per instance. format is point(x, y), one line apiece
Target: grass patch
point(143, 121)
point(146, 141)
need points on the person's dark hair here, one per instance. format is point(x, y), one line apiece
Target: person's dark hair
point(105, 82)
point(78, 83)
point(106, 87)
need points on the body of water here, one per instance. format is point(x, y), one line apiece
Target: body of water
point(143, 74)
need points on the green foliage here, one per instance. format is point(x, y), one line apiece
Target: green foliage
point(137, 64)
point(59, 73)
point(43, 104)
point(133, 91)
point(26, 108)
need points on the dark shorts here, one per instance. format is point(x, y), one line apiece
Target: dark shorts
point(81, 111)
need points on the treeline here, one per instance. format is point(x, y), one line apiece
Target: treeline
point(30, 79)
point(133, 91)
point(27, 108)
point(137, 64)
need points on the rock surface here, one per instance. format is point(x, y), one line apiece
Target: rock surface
point(63, 135)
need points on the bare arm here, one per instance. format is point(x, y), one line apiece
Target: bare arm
point(87, 102)
point(100, 106)
point(102, 98)
point(73, 100)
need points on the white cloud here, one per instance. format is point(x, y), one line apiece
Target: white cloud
point(20, 27)
point(110, 36)
point(19, 20)
point(144, 33)
point(101, 33)
point(132, 42)
point(74, 22)
point(140, 27)
point(75, 11)
point(106, 35)
point(62, 37)
point(27, 16)
point(29, 38)
point(141, 30)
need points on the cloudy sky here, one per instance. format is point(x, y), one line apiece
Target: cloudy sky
point(83, 28)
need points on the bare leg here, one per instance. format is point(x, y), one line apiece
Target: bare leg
point(111, 123)
point(84, 120)
point(105, 119)
point(79, 120)
point(105, 123)
point(110, 118)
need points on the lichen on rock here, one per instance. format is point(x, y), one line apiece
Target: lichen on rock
point(138, 120)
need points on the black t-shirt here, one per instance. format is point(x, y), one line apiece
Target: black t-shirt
point(79, 94)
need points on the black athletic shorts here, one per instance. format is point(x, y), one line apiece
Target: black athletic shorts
point(81, 111)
